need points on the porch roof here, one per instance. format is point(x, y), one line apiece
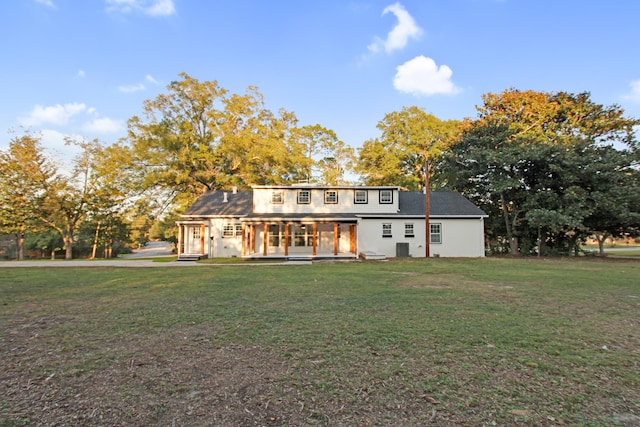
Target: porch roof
point(306, 217)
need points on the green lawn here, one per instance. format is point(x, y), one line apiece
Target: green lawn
point(493, 341)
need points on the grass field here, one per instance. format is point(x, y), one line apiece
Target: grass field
point(472, 342)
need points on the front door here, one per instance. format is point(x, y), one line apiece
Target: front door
point(195, 240)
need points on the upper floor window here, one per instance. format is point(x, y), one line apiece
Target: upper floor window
point(360, 196)
point(331, 196)
point(435, 233)
point(408, 229)
point(386, 196)
point(304, 196)
point(277, 197)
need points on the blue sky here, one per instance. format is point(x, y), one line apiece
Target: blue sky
point(83, 67)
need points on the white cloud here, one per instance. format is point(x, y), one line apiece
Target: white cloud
point(46, 3)
point(133, 88)
point(399, 36)
point(103, 125)
point(148, 7)
point(55, 114)
point(421, 76)
point(80, 74)
point(634, 95)
point(161, 8)
point(150, 79)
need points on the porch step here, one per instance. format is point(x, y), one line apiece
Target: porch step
point(191, 257)
point(300, 258)
point(370, 255)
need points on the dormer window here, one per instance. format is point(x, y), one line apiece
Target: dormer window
point(386, 197)
point(360, 197)
point(330, 197)
point(304, 196)
point(277, 197)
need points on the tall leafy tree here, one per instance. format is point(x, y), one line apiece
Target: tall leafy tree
point(409, 139)
point(199, 137)
point(327, 157)
point(530, 160)
point(25, 173)
point(68, 196)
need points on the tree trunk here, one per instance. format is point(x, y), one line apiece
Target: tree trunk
point(20, 245)
point(68, 246)
point(601, 238)
point(542, 242)
point(53, 254)
point(513, 245)
point(513, 240)
point(95, 242)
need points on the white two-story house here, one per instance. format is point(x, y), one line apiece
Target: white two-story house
point(308, 221)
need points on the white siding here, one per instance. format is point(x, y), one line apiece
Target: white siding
point(223, 247)
point(262, 201)
point(460, 237)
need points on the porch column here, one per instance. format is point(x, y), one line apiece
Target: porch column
point(336, 242)
point(286, 239)
point(352, 238)
point(201, 239)
point(265, 237)
point(315, 239)
point(180, 237)
point(253, 238)
point(244, 240)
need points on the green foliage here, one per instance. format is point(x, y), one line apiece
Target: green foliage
point(26, 174)
point(548, 169)
point(198, 137)
point(37, 194)
point(409, 138)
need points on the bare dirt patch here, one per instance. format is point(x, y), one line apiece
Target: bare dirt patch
point(177, 379)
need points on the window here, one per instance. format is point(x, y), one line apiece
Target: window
point(386, 230)
point(277, 197)
point(360, 196)
point(386, 196)
point(303, 235)
point(231, 230)
point(436, 233)
point(408, 229)
point(331, 196)
point(195, 233)
point(274, 235)
point(228, 230)
point(304, 196)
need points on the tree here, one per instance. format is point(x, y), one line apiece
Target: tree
point(530, 159)
point(409, 138)
point(91, 186)
point(26, 172)
point(173, 145)
point(197, 137)
point(328, 158)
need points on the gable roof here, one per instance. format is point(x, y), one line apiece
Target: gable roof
point(441, 203)
point(212, 203)
point(411, 203)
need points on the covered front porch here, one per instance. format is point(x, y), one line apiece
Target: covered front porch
point(191, 240)
point(299, 239)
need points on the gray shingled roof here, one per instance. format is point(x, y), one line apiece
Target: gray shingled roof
point(212, 204)
point(412, 203)
point(441, 203)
